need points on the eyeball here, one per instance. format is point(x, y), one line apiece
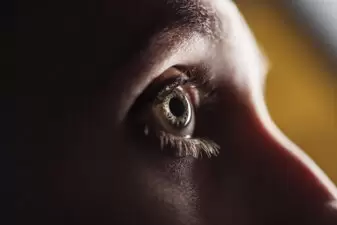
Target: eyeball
point(174, 112)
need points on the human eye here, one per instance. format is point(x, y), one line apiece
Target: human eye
point(167, 113)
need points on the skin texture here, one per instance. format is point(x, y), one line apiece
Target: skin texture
point(81, 160)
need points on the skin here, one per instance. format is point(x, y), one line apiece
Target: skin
point(81, 160)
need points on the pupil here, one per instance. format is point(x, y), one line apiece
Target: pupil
point(177, 107)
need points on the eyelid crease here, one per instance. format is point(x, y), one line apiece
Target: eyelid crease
point(168, 89)
point(200, 81)
point(192, 79)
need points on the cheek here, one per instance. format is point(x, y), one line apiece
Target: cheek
point(109, 174)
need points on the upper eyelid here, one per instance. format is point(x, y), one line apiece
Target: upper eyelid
point(184, 76)
point(198, 90)
point(156, 59)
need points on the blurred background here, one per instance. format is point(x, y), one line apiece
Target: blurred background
point(300, 39)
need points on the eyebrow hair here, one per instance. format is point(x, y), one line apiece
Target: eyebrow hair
point(190, 18)
point(197, 16)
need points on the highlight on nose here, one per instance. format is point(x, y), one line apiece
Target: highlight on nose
point(308, 192)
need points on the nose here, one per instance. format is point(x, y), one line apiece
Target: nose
point(306, 195)
point(263, 175)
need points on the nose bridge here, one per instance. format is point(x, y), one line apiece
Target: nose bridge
point(307, 170)
point(261, 170)
point(302, 185)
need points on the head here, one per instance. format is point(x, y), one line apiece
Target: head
point(99, 142)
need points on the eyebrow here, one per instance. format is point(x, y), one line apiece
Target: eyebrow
point(192, 20)
point(197, 16)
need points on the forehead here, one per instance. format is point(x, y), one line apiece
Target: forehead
point(230, 50)
point(198, 14)
point(217, 20)
point(90, 40)
point(143, 19)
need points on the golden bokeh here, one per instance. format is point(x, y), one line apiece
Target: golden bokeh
point(301, 87)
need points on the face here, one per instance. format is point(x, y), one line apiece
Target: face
point(152, 112)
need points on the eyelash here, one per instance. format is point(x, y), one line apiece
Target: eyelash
point(189, 146)
point(195, 147)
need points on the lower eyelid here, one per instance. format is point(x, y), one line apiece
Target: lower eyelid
point(188, 146)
